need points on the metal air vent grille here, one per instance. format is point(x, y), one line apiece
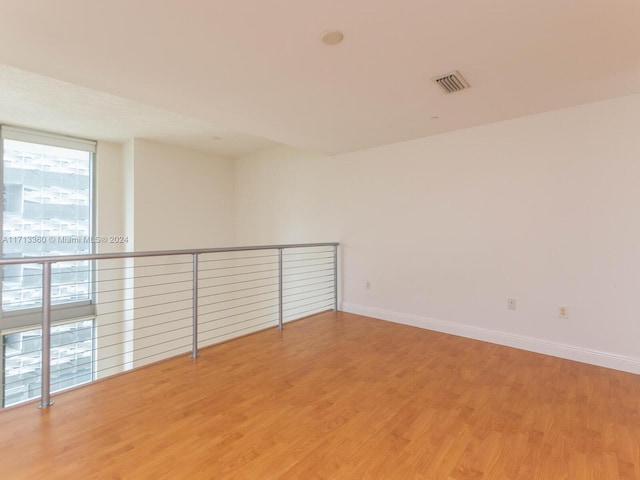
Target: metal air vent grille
point(452, 82)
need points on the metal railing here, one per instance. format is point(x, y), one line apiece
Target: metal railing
point(103, 314)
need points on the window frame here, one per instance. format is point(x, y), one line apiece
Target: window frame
point(62, 312)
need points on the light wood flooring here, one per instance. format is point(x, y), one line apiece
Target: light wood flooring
point(337, 396)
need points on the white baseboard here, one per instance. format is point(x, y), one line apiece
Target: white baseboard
point(593, 357)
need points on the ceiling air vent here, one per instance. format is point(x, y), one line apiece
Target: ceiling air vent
point(451, 82)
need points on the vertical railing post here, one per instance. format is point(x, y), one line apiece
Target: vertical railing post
point(335, 278)
point(45, 374)
point(194, 346)
point(280, 288)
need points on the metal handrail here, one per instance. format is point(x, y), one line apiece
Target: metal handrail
point(158, 253)
point(47, 261)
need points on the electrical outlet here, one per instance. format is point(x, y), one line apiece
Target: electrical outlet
point(563, 311)
point(511, 303)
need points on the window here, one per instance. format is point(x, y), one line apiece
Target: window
point(47, 211)
point(71, 360)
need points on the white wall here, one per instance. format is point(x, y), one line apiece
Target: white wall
point(110, 195)
point(163, 197)
point(160, 198)
point(182, 198)
point(542, 209)
point(111, 328)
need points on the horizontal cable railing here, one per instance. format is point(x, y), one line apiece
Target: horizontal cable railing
point(75, 319)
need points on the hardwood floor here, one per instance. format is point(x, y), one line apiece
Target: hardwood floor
point(337, 396)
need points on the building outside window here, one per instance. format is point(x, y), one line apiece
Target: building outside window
point(47, 211)
point(71, 360)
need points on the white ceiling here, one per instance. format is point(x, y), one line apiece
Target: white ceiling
point(254, 72)
point(31, 100)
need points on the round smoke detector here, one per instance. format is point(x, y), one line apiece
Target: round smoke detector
point(331, 37)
